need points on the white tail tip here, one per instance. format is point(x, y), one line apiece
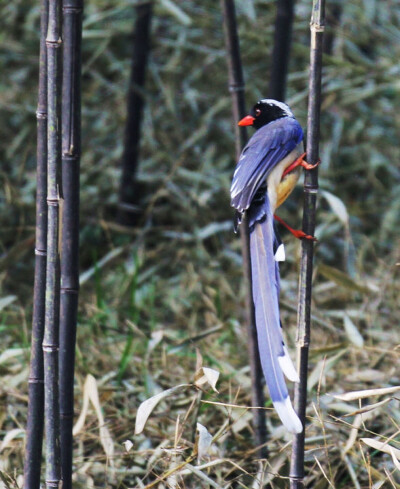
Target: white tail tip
point(288, 416)
point(280, 253)
point(287, 366)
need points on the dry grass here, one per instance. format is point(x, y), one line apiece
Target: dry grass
point(173, 287)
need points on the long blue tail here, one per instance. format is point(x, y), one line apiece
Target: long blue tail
point(274, 356)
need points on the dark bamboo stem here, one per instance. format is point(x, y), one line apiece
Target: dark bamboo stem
point(34, 437)
point(281, 49)
point(236, 87)
point(310, 197)
point(70, 149)
point(51, 332)
point(128, 192)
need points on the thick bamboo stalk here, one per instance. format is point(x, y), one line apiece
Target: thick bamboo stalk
point(281, 49)
point(51, 332)
point(128, 192)
point(70, 149)
point(34, 437)
point(306, 267)
point(236, 87)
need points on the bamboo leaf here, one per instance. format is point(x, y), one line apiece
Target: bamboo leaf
point(85, 276)
point(357, 423)
point(173, 9)
point(11, 353)
point(204, 442)
point(82, 417)
point(6, 301)
point(107, 442)
point(128, 445)
point(91, 393)
point(247, 8)
point(394, 457)
point(352, 332)
point(213, 228)
point(337, 206)
point(382, 447)
point(342, 279)
point(352, 396)
point(207, 375)
point(146, 407)
point(324, 365)
point(10, 436)
point(370, 407)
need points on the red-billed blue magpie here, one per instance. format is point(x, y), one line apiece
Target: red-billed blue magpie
point(265, 175)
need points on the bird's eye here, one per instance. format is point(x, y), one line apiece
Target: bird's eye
point(257, 112)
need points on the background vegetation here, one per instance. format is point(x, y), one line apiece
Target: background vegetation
point(153, 296)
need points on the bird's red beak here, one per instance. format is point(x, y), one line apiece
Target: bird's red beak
point(246, 121)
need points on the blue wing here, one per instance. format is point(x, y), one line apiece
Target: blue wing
point(267, 147)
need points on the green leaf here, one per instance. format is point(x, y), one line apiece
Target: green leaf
point(352, 332)
point(342, 279)
point(176, 12)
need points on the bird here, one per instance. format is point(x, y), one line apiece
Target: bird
point(265, 175)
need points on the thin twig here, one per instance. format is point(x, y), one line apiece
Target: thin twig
point(310, 196)
point(236, 87)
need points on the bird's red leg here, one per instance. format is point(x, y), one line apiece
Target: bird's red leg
point(300, 162)
point(298, 233)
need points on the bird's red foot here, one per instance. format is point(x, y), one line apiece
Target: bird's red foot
point(300, 162)
point(298, 233)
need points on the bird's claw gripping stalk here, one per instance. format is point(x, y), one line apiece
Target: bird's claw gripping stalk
point(298, 233)
point(300, 162)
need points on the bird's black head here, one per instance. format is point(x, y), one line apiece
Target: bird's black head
point(265, 111)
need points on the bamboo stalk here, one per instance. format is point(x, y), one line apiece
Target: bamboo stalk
point(51, 332)
point(34, 437)
point(281, 49)
point(70, 149)
point(236, 87)
point(128, 192)
point(306, 267)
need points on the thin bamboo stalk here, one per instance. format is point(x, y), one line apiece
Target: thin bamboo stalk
point(70, 149)
point(129, 192)
point(236, 87)
point(306, 267)
point(34, 437)
point(281, 49)
point(51, 332)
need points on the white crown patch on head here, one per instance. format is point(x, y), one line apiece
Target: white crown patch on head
point(281, 105)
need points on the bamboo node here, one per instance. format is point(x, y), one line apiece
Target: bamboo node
point(70, 156)
point(67, 415)
point(68, 290)
point(50, 43)
point(50, 348)
point(315, 27)
point(311, 189)
point(34, 380)
point(40, 114)
point(236, 87)
point(40, 252)
point(52, 483)
point(69, 9)
point(53, 202)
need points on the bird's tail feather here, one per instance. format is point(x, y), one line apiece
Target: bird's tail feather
point(274, 356)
